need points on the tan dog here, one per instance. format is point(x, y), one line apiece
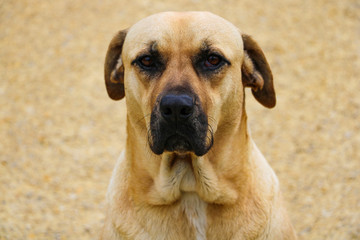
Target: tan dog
point(190, 169)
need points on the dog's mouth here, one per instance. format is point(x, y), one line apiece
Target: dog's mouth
point(179, 125)
point(177, 143)
point(198, 143)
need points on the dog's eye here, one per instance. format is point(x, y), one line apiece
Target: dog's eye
point(149, 64)
point(212, 61)
point(146, 61)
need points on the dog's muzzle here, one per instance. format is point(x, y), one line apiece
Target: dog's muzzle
point(178, 124)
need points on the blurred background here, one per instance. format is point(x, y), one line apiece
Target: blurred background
point(60, 134)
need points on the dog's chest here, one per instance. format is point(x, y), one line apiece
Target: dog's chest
point(195, 211)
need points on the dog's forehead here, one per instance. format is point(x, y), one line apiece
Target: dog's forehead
point(185, 30)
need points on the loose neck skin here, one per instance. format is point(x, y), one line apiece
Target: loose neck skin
point(215, 177)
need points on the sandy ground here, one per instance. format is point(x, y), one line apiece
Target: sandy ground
point(60, 134)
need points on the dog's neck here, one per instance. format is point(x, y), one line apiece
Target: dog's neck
point(162, 179)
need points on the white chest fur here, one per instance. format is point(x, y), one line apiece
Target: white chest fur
point(195, 211)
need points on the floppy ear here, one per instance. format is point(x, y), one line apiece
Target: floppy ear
point(256, 73)
point(114, 69)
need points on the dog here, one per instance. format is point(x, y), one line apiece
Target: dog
point(190, 169)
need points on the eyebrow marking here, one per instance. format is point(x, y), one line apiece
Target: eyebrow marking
point(151, 48)
point(207, 47)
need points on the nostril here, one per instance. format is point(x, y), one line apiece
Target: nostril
point(185, 112)
point(167, 111)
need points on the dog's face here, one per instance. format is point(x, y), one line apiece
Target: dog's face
point(184, 75)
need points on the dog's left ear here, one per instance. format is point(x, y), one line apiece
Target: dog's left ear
point(256, 73)
point(114, 69)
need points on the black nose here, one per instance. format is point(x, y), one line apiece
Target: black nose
point(176, 107)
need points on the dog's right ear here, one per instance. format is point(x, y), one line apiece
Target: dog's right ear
point(114, 69)
point(257, 73)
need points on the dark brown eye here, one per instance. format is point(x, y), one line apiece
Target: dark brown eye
point(212, 61)
point(147, 61)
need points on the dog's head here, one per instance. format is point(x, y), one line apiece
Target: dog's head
point(184, 76)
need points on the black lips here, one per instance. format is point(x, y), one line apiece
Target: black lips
point(178, 124)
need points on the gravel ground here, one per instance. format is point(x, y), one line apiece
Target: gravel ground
point(60, 134)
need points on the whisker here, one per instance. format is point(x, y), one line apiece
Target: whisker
point(145, 116)
point(211, 137)
point(212, 119)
